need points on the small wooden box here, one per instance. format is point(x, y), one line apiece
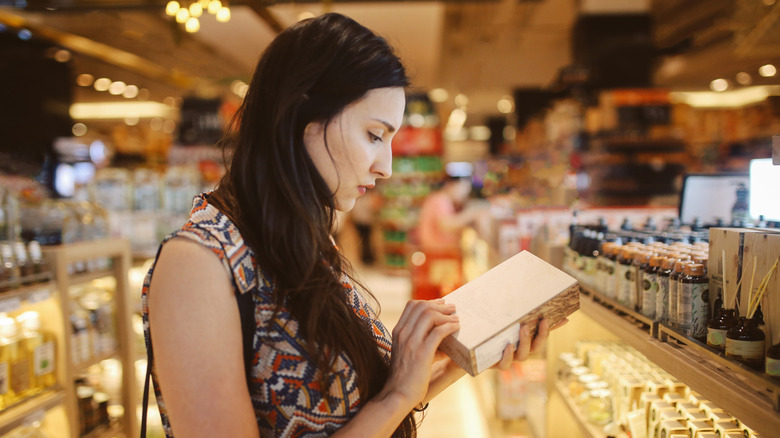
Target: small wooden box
point(492, 307)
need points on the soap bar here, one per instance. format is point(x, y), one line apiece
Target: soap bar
point(492, 307)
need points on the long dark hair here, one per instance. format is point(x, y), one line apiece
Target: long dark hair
point(277, 198)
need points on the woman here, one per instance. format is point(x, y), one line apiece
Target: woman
point(309, 357)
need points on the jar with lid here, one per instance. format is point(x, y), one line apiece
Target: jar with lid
point(26, 268)
point(9, 270)
point(598, 407)
point(693, 302)
point(574, 378)
point(40, 347)
point(745, 343)
point(38, 261)
point(718, 326)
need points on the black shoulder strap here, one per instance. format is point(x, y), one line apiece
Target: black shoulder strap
point(246, 309)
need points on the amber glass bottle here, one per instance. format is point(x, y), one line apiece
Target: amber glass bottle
point(718, 326)
point(662, 298)
point(693, 302)
point(624, 275)
point(745, 343)
point(674, 287)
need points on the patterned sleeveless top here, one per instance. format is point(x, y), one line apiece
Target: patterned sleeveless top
point(285, 386)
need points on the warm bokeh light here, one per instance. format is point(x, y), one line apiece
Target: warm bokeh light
point(767, 70)
point(438, 95)
point(131, 92)
point(192, 25)
point(461, 100)
point(172, 8)
point(214, 6)
point(85, 79)
point(117, 88)
point(102, 84)
point(196, 10)
point(182, 15)
point(223, 15)
point(744, 78)
point(719, 85)
point(505, 105)
point(62, 55)
point(79, 129)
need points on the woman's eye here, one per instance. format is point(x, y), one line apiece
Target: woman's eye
point(374, 138)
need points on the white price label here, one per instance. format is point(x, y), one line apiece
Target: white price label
point(39, 295)
point(10, 305)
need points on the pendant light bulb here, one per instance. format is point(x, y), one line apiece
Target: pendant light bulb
point(214, 6)
point(172, 7)
point(182, 15)
point(192, 25)
point(196, 10)
point(204, 4)
point(223, 15)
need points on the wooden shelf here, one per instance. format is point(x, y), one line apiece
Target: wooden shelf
point(15, 416)
point(735, 391)
point(86, 277)
point(82, 367)
point(31, 293)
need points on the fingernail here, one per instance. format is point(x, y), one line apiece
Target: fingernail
point(526, 330)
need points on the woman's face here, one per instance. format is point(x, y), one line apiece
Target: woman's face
point(358, 147)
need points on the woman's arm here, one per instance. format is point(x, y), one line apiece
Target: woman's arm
point(198, 352)
point(416, 337)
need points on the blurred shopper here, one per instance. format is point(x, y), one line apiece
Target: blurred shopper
point(252, 322)
point(442, 220)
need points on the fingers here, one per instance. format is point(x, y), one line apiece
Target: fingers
point(541, 335)
point(506, 358)
point(524, 344)
point(419, 317)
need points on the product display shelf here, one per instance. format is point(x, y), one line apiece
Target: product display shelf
point(11, 300)
point(587, 428)
point(16, 415)
point(119, 253)
point(105, 432)
point(731, 390)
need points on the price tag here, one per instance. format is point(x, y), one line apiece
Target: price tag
point(38, 295)
point(10, 304)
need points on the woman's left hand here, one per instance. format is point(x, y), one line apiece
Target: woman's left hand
point(526, 345)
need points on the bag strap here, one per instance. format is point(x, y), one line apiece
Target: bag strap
point(246, 310)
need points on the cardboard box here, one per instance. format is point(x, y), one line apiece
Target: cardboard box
point(764, 248)
point(493, 306)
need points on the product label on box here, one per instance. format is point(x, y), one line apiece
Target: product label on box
point(44, 358)
point(3, 377)
point(489, 353)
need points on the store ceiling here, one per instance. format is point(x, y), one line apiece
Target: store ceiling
point(482, 49)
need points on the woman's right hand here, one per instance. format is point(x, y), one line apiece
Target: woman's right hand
point(422, 327)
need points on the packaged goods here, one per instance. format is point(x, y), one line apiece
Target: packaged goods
point(523, 289)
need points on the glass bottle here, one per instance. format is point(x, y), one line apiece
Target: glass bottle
point(624, 277)
point(9, 350)
point(740, 213)
point(9, 270)
point(609, 263)
point(718, 326)
point(40, 346)
point(38, 261)
point(674, 287)
point(745, 343)
point(772, 364)
point(650, 286)
point(20, 380)
point(638, 265)
point(693, 302)
point(662, 298)
point(26, 268)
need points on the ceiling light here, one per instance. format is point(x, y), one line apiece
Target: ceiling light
point(223, 15)
point(214, 6)
point(172, 8)
point(131, 92)
point(438, 95)
point(726, 99)
point(85, 79)
point(117, 88)
point(193, 25)
point(182, 15)
point(719, 85)
point(744, 78)
point(461, 100)
point(767, 70)
point(102, 84)
point(204, 4)
point(119, 110)
point(196, 10)
point(505, 105)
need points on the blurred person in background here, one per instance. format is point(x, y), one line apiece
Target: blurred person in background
point(363, 215)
